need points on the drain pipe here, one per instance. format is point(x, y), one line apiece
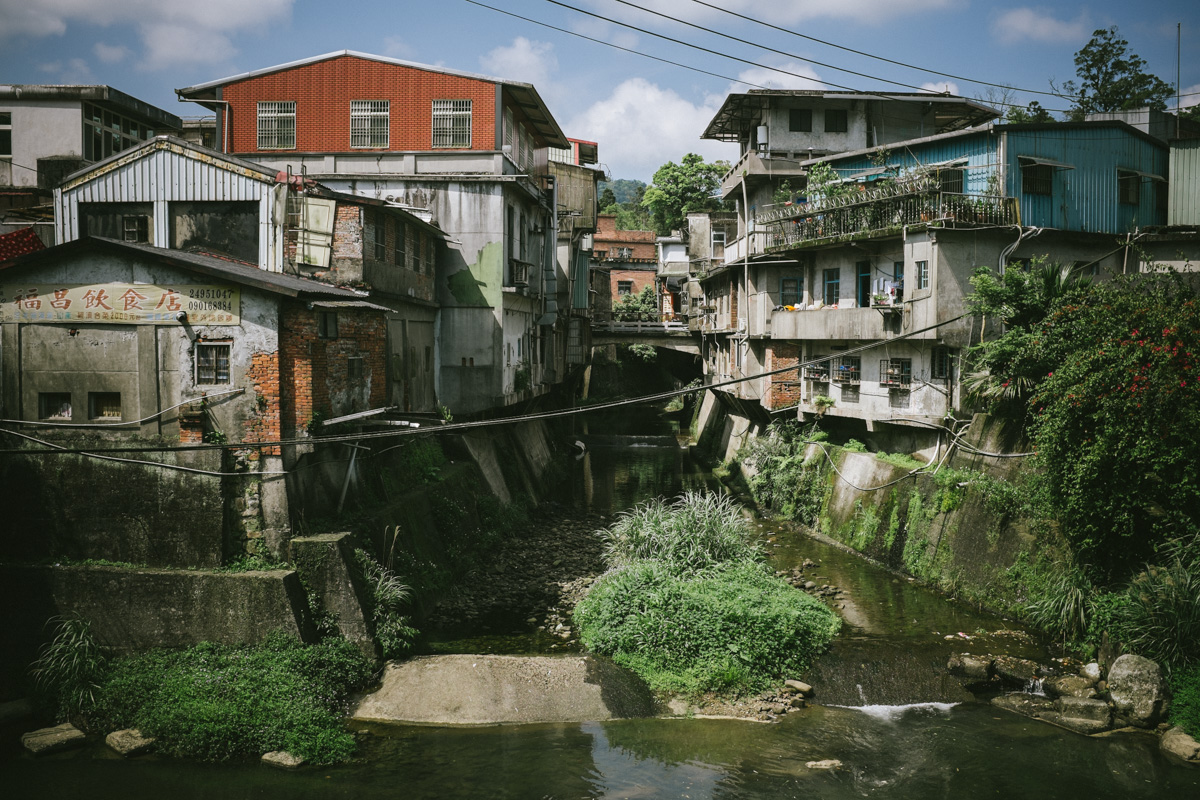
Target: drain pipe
point(354, 448)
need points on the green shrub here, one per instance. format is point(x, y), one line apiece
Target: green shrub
point(728, 629)
point(1162, 618)
point(1185, 700)
point(900, 460)
point(783, 480)
point(696, 531)
point(216, 702)
point(855, 446)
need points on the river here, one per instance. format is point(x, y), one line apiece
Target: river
point(898, 726)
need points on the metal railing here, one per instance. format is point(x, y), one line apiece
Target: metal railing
point(804, 225)
point(644, 328)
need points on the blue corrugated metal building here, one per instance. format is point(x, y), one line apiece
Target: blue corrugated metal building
point(1097, 177)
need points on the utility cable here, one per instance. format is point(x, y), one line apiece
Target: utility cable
point(614, 46)
point(177, 467)
point(769, 49)
point(459, 426)
point(878, 58)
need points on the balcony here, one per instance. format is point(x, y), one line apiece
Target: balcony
point(828, 323)
point(874, 212)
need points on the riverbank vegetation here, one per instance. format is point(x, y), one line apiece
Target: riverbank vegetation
point(210, 702)
point(689, 605)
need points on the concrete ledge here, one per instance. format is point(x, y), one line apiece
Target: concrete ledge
point(138, 609)
point(487, 690)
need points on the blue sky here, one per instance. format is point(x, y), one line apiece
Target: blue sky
point(642, 112)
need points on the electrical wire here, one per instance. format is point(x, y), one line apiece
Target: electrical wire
point(46, 424)
point(877, 58)
point(770, 49)
point(614, 46)
point(457, 426)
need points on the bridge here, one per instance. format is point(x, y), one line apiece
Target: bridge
point(669, 335)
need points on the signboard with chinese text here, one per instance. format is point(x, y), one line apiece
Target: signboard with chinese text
point(129, 303)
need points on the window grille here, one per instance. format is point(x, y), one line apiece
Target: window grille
point(940, 364)
point(800, 120)
point(895, 373)
point(54, 405)
point(369, 123)
point(104, 405)
point(212, 363)
point(1129, 187)
point(1037, 178)
point(837, 120)
point(789, 291)
point(951, 180)
point(451, 123)
point(354, 368)
point(847, 370)
point(624, 288)
point(277, 125)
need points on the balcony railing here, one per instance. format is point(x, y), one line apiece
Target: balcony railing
point(824, 222)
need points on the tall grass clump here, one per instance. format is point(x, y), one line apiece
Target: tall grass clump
point(689, 605)
point(1161, 619)
point(215, 702)
point(71, 667)
point(388, 600)
point(696, 531)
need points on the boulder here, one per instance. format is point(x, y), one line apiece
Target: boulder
point(969, 666)
point(282, 759)
point(1180, 745)
point(1029, 705)
point(1015, 671)
point(798, 687)
point(129, 742)
point(51, 740)
point(1070, 686)
point(1138, 691)
point(1091, 672)
point(1081, 714)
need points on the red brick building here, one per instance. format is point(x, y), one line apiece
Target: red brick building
point(629, 257)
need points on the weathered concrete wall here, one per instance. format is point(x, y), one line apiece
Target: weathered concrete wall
point(326, 564)
point(133, 610)
point(71, 506)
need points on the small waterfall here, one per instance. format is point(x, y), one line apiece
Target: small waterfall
point(862, 673)
point(1034, 687)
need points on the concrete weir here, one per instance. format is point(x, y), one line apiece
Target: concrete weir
point(489, 690)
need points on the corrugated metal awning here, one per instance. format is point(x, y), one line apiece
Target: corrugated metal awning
point(1044, 162)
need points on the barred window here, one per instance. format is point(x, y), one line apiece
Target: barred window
point(451, 123)
point(212, 363)
point(1129, 187)
point(277, 125)
point(369, 123)
point(1037, 178)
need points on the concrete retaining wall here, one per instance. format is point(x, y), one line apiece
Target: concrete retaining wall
point(132, 610)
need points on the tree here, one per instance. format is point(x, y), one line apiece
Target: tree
point(1108, 374)
point(640, 307)
point(681, 188)
point(1111, 78)
point(1031, 113)
point(607, 198)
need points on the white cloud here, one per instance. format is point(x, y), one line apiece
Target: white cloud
point(396, 47)
point(801, 76)
point(172, 31)
point(73, 70)
point(1021, 24)
point(641, 126)
point(939, 88)
point(780, 13)
point(111, 54)
point(524, 60)
point(1189, 96)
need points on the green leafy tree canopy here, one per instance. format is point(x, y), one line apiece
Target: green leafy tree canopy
point(1111, 78)
point(679, 189)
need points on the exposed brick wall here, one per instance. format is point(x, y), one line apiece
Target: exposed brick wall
point(264, 422)
point(785, 387)
point(640, 277)
point(348, 243)
point(314, 371)
point(323, 91)
point(641, 243)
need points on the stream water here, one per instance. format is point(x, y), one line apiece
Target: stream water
point(899, 727)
